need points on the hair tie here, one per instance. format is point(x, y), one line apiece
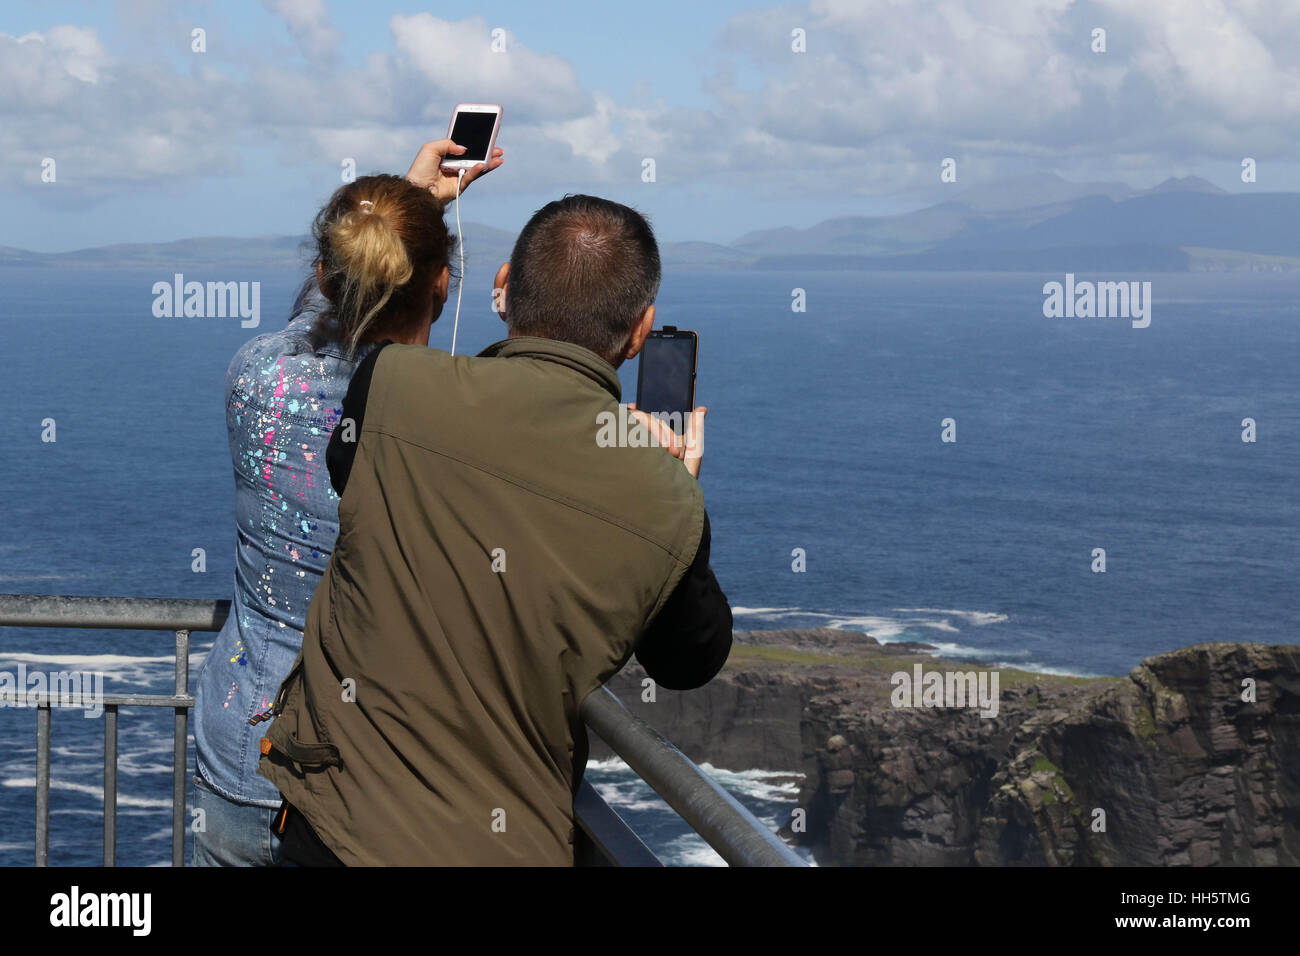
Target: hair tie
point(367, 206)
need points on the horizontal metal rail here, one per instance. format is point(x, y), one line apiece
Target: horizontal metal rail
point(139, 614)
point(136, 614)
point(738, 837)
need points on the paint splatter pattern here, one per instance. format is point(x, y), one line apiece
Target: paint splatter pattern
point(283, 402)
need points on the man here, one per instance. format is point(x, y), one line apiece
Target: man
point(495, 564)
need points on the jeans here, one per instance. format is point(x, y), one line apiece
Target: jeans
point(231, 834)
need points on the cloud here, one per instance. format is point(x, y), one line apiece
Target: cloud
point(309, 25)
point(43, 70)
point(1237, 62)
point(103, 120)
point(380, 112)
point(876, 67)
point(455, 56)
point(886, 89)
point(78, 51)
point(889, 87)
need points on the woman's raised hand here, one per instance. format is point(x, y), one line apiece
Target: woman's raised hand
point(427, 169)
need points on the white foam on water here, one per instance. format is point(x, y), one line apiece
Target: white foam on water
point(75, 754)
point(774, 785)
point(83, 661)
point(608, 763)
point(894, 630)
point(115, 667)
point(127, 767)
point(948, 649)
point(624, 796)
point(1037, 668)
point(690, 850)
point(631, 794)
point(129, 668)
point(974, 618)
point(123, 799)
point(888, 630)
point(883, 628)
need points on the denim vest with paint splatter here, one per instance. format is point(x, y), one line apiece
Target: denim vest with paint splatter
point(282, 401)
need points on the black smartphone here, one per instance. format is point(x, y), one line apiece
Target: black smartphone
point(665, 379)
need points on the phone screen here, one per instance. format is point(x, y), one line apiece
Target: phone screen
point(666, 376)
point(474, 132)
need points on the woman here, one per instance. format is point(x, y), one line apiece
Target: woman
point(382, 271)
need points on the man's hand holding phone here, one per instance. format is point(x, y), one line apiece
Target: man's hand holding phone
point(665, 384)
point(689, 450)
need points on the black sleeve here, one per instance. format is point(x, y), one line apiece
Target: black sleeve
point(689, 640)
point(339, 453)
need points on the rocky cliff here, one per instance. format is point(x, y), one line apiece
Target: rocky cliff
point(1192, 759)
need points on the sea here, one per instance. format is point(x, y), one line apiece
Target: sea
point(920, 457)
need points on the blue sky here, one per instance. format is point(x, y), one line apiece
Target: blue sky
point(153, 141)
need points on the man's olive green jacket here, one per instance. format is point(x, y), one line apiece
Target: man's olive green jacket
point(495, 564)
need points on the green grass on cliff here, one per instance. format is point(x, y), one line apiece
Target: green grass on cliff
point(1008, 677)
point(1043, 765)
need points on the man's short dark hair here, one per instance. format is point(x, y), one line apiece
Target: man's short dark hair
point(583, 270)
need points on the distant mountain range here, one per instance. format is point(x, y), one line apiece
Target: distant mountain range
point(1049, 225)
point(1180, 225)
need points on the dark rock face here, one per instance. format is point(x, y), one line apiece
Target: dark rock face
point(749, 716)
point(1169, 766)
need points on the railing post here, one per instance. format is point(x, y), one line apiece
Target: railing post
point(110, 785)
point(178, 751)
point(42, 783)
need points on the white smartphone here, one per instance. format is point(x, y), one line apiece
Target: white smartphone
point(474, 126)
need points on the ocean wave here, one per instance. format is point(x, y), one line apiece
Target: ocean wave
point(1035, 667)
point(608, 764)
point(631, 797)
point(123, 799)
point(769, 794)
point(775, 786)
point(690, 850)
point(128, 768)
point(889, 629)
point(124, 668)
point(975, 618)
point(912, 625)
point(882, 627)
point(947, 649)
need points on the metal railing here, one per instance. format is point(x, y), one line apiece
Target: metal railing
point(604, 837)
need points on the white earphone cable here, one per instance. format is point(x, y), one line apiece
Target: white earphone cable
point(460, 283)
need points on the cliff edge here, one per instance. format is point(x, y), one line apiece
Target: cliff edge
point(1192, 759)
